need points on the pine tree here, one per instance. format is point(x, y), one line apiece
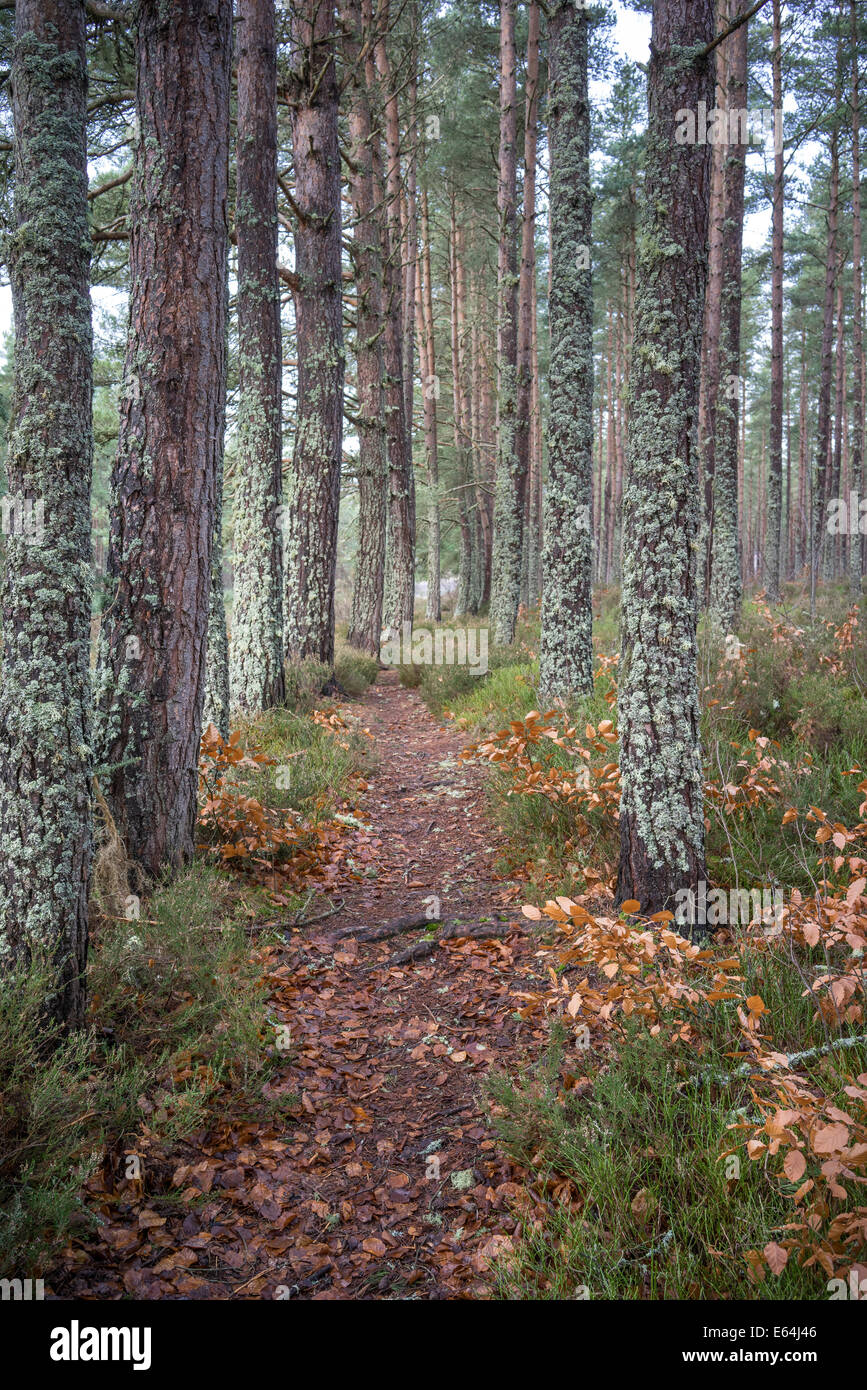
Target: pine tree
point(313, 492)
point(662, 813)
point(257, 609)
point(151, 677)
point(566, 648)
point(45, 698)
point(365, 623)
point(509, 502)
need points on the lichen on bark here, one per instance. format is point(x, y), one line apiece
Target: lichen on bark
point(566, 647)
point(662, 815)
point(45, 697)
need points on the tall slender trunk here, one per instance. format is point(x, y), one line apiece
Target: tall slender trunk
point(856, 549)
point(45, 697)
point(509, 501)
point(410, 239)
point(534, 580)
point(400, 585)
point(524, 382)
point(726, 586)
point(566, 648)
point(773, 553)
point(365, 624)
point(465, 575)
point(662, 812)
point(823, 425)
point(164, 484)
point(801, 550)
point(430, 392)
point(313, 493)
point(832, 542)
point(257, 609)
point(710, 363)
point(217, 705)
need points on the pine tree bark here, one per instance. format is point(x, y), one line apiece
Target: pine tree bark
point(400, 581)
point(164, 484)
point(710, 365)
point(566, 648)
point(45, 696)
point(313, 492)
point(509, 500)
point(257, 611)
point(430, 391)
point(856, 549)
point(365, 624)
point(662, 813)
point(524, 389)
point(823, 424)
point(775, 484)
point(217, 706)
point(726, 585)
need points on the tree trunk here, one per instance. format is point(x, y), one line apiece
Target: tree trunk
point(45, 697)
point(400, 586)
point(775, 486)
point(153, 638)
point(566, 649)
point(710, 366)
point(662, 813)
point(524, 397)
point(257, 610)
point(313, 494)
point(430, 394)
point(509, 501)
point(217, 705)
point(823, 426)
point(365, 624)
point(857, 467)
point(726, 587)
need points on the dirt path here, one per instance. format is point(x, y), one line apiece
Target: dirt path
point(384, 1181)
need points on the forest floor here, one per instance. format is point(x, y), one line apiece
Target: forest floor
point(381, 1178)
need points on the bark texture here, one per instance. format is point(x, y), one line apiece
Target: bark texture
point(257, 610)
point(151, 678)
point(45, 698)
point(566, 649)
point(509, 501)
point(313, 493)
point(661, 820)
point(365, 624)
point(726, 586)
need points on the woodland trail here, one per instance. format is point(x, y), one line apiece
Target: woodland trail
point(385, 1181)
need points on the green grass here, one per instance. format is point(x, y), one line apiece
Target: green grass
point(662, 1209)
point(179, 1025)
point(177, 1019)
point(314, 769)
point(633, 1128)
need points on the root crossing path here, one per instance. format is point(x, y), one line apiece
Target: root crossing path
point(381, 1177)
